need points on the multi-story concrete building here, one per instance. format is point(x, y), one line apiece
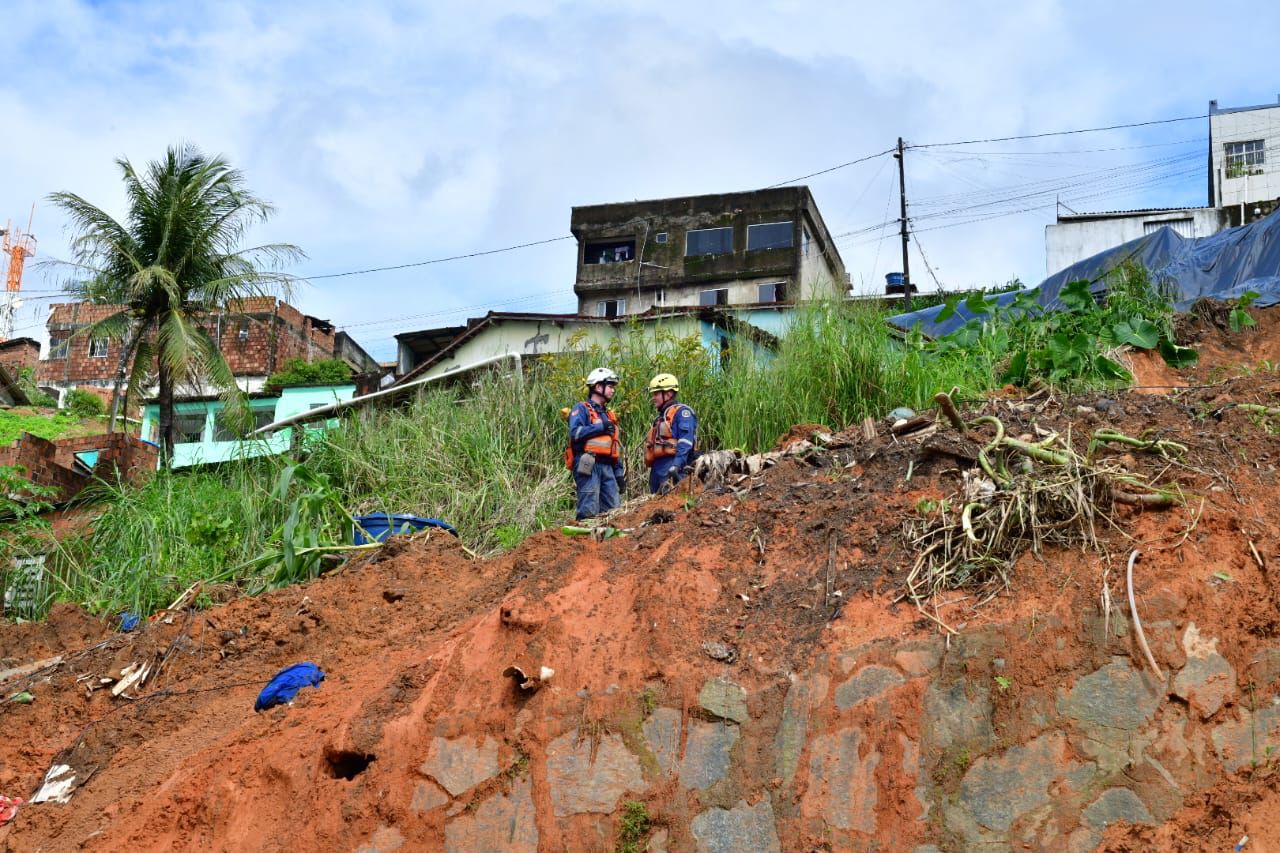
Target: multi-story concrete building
point(1243, 185)
point(256, 336)
point(1244, 153)
point(745, 248)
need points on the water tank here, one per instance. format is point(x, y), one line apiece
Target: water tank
point(895, 284)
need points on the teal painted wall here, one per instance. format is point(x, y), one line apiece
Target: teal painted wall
point(207, 450)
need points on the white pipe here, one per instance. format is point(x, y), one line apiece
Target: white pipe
point(332, 408)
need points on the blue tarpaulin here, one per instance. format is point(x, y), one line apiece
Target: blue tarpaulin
point(287, 683)
point(1225, 265)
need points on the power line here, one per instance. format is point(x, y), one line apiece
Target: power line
point(439, 260)
point(832, 169)
point(1060, 132)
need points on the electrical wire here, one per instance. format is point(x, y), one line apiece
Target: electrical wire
point(1060, 132)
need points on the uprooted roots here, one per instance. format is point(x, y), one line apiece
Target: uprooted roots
point(1024, 495)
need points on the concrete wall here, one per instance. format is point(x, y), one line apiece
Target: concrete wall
point(1072, 240)
point(1243, 126)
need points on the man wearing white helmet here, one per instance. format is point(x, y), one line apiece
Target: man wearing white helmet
point(672, 443)
point(594, 454)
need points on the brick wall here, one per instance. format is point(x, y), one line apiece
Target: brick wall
point(19, 353)
point(256, 339)
point(52, 463)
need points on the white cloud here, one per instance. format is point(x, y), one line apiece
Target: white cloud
point(396, 132)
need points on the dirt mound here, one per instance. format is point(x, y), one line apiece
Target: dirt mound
point(741, 671)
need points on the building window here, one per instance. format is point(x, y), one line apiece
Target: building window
point(719, 296)
point(222, 431)
point(709, 241)
point(770, 235)
point(189, 428)
point(660, 237)
point(609, 252)
point(97, 347)
point(807, 242)
point(59, 348)
point(772, 292)
point(1243, 158)
point(610, 308)
point(660, 296)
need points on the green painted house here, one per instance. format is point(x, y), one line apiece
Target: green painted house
point(201, 436)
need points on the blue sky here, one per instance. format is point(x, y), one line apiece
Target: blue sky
point(392, 132)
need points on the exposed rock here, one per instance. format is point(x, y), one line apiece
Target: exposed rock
point(1234, 740)
point(737, 829)
point(999, 789)
point(1114, 696)
point(955, 715)
point(662, 733)
point(385, 839)
point(1265, 667)
point(426, 797)
point(460, 764)
point(1116, 804)
point(842, 785)
point(579, 784)
point(502, 822)
point(805, 694)
point(1206, 683)
point(870, 682)
point(658, 841)
point(724, 699)
point(919, 658)
point(706, 754)
point(719, 651)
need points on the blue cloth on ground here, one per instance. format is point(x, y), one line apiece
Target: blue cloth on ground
point(288, 682)
point(129, 621)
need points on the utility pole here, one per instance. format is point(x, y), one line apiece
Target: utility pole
point(902, 221)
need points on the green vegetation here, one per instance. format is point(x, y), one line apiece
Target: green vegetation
point(486, 453)
point(1071, 346)
point(633, 828)
point(50, 425)
point(27, 382)
point(176, 257)
point(83, 404)
point(326, 371)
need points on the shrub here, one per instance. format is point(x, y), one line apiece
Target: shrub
point(84, 404)
point(326, 371)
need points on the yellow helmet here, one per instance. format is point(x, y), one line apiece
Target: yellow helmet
point(663, 382)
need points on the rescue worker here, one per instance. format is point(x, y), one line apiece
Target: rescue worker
point(594, 454)
point(671, 446)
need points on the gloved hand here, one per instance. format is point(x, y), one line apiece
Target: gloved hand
point(667, 484)
point(609, 428)
point(620, 474)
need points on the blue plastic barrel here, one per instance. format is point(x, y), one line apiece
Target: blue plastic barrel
point(894, 279)
point(377, 526)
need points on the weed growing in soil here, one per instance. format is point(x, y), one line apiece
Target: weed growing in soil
point(633, 828)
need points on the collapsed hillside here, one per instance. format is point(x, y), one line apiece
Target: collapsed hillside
point(741, 671)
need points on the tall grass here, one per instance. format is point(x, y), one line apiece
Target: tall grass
point(485, 454)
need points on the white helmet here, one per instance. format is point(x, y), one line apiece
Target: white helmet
point(601, 374)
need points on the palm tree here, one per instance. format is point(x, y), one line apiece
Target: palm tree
point(176, 258)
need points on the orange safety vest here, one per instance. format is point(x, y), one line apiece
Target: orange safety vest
point(661, 442)
point(600, 446)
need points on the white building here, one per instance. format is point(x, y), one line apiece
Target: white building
point(1244, 148)
point(1243, 183)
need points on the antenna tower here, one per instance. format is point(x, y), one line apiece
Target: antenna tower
point(18, 245)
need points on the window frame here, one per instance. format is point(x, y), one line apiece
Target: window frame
point(688, 234)
point(100, 342)
point(179, 434)
point(620, 308)
point(607, 246)
point(791, 235)
point(717, 303)
point(59, 349)
point(779, 292)
point(1249, 154)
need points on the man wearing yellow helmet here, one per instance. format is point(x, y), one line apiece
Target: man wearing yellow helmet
point(594, 452)
point(672, 442)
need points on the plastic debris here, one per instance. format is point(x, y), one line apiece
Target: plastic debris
point(902, 413)
point(8, 808)
point(58, 785)
point(529, 681)
point(1240, 844)
point(129, 621)
point(23, 698)
point(287, 683)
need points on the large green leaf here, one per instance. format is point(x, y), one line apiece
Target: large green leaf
point(1077, 297)
point(1109, 369)
point(1177, 356)
point(1137, 332)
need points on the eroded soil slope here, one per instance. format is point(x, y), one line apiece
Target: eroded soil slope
point(742, 669)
